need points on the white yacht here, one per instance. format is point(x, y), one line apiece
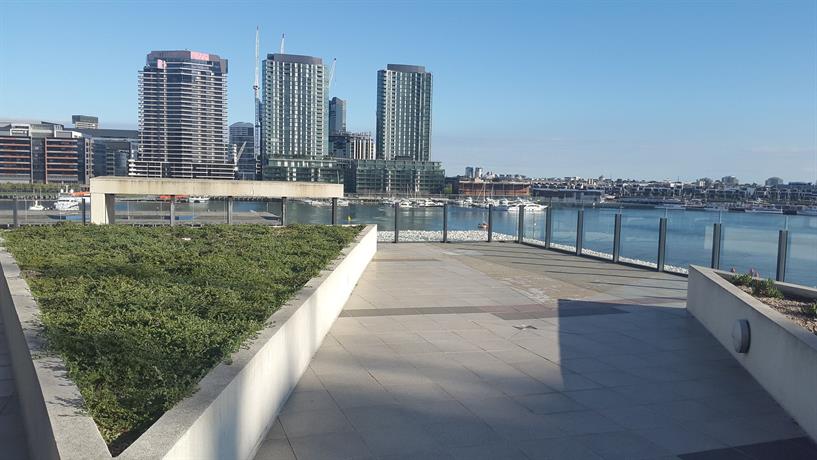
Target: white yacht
point(36, 206)
point(70, 202)
point(199, 199)
point(765, 210)
point(807, 211)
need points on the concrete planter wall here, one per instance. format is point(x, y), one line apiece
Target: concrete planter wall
point(781, 355)
point(236, 403)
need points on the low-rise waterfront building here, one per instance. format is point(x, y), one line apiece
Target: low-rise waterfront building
point(43, 152)
point(479, 187)
point(582, 197)
point(393, 177)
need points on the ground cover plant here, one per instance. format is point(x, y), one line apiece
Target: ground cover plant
point(140, 315)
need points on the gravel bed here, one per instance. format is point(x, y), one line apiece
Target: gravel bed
point(801, 312)
point(437, 235)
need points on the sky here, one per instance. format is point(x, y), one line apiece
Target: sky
point(629, 89)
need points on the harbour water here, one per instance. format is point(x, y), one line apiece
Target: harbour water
point(749, 240)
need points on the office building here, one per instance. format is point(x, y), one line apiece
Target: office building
point(242, 142)
point(404, 113)
point(469, 172)
point(42, 152)
point(353, 146)
point(393, 177)
point(112, 150)
point(337, 116)
point(85, 121)
point(183, 117)
point(293, 131)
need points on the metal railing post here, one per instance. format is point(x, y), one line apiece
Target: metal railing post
point(15, 218)
point(445, 223)
point(396, 222)
point(662, 243)
point(229, 210)
point(716, 246)
point(283, 211)
point(617, 239)
point(334, 211)
point(82, 206)
point(782, 254)
point(520, 231)
point(172, 210)
point(490, 222)
point(579, 231)
point(548, 226)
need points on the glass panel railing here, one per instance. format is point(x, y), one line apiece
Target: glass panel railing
point(420, 221)
point(264, 212)
point(468, 223)
point(801, 261)
point(750, 242)
point(639, 237)
point(564, 228)
point(506, 221)
point(689, 239)
point(599, 224)
point(534, 226)
point(308, 211)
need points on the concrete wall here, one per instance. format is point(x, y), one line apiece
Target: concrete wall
point(782, 355)
point(51, 404)
point(236, 403)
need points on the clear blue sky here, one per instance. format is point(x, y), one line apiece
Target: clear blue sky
point(652, 89)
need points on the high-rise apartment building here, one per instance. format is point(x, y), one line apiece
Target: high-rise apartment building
point(404, 113)
point(354, 146)
point(112, 150)
point(242, 140)
point(293, 120)
point(337, 116)
point(183, 117)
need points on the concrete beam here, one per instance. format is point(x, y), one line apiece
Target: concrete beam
point(206, 187)
point(104, 189)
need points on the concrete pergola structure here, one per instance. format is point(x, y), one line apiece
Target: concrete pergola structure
point(104, 191)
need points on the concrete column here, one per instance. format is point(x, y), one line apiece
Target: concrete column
point(230, 210)
point(103, 208)
point(173, 210)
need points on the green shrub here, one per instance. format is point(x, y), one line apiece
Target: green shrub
point(140, 315)
point(766, 288)
point(743, 279)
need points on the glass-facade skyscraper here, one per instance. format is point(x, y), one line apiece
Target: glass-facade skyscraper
point(404, 113)
point(337, 116)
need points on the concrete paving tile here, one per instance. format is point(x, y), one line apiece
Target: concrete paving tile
point(6, 388)
point(276, 431)
point(433, 454)
point(306, 423)
point(557, 449)
point(599, 398)
point(623, 445)
point(275, 449)
point(680, 440)
point(463, 433)
point(638, 417)
point(353, 397)
point(583, 422)
point(378, 417)
point(520, 386)
point(309, 401)
point(503, 450)
point(583, 365)
point(418, 392)
point(548, 403)
point(398, 440)
point(685, 411)
point(436, 412)
point(331, 446)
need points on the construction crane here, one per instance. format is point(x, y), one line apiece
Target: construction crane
point(240, 151)
point(255, 89)
point(331, 76)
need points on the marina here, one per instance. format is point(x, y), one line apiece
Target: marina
point(749, 239)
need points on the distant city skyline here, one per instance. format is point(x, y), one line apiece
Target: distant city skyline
point(637, 89)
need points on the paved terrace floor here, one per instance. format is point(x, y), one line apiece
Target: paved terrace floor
point(503, 351)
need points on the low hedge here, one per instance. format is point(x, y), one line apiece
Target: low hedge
point(140, 315)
